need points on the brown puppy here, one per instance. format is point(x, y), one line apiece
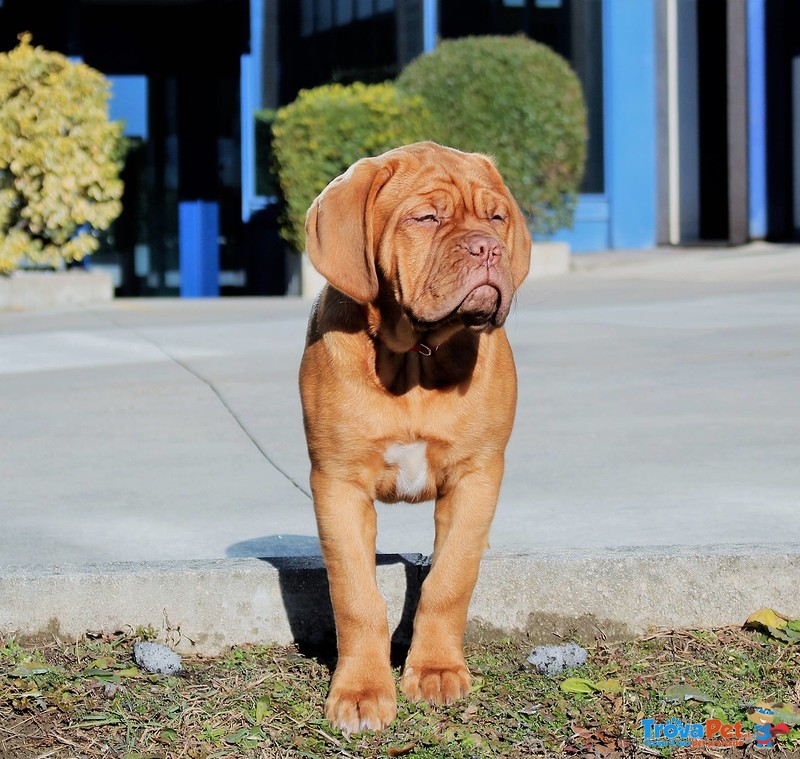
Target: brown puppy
point(409, 392)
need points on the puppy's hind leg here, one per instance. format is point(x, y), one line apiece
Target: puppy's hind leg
point(362, 694)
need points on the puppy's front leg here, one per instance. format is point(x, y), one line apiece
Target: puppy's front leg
point(362, 694)
point(435, 668)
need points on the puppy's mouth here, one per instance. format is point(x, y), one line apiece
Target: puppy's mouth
point(479, 310)
point(480, 307)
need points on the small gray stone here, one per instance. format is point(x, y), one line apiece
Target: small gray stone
point(552, 660)
point(157, 658)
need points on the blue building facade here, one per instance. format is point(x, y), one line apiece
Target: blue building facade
point(693, 106)
point(687, 145)
point(694, 115)
point(610, 43)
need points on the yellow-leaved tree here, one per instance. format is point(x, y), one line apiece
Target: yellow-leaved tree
point(60, 158)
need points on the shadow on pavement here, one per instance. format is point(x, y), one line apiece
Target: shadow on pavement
point(306, 596)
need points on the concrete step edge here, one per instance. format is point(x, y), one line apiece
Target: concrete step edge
point(207, 606)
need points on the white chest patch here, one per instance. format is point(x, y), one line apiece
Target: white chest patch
point(412, 467)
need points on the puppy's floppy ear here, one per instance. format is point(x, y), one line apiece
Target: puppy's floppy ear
point(521, 245)
point(339, 230)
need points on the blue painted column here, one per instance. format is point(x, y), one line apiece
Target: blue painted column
point(250, 81)
point(757, 118)
point(198, 229)
point(430, 24)
point(629, 43)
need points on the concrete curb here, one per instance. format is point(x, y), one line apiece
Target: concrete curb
point(550, 259)
point(207, 606)
point(34, 290)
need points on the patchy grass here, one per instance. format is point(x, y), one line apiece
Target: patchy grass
point(87, 698)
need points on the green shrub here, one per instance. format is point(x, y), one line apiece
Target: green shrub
point(518, 101)
point(327, 128)
point(60, 158)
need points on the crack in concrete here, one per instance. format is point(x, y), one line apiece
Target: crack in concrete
point(235, 417)
point(219, 396)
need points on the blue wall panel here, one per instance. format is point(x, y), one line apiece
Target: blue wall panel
point(625, 216)
point(250, 89)
point(590, 230)
point(757, 116)
point(129, 103)
point(630, 99)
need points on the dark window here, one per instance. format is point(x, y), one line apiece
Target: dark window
point(573, 28)
point(324, 41)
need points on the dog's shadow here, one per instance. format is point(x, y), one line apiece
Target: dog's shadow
point(306, 598)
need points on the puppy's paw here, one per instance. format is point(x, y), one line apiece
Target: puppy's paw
point(356, 706)
point(436, 683)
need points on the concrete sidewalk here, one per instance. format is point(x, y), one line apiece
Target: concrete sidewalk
point(659, 407)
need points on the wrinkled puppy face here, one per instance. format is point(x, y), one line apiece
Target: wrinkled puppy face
point(429, 227)
point(451, 242)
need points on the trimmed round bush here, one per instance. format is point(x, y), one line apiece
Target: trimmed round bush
point(60, 158)
point(325, 129)
point(518, 101)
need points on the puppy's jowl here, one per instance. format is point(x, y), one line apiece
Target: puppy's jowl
point(409, 391)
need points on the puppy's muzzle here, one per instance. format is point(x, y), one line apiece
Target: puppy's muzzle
point(486, 250)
